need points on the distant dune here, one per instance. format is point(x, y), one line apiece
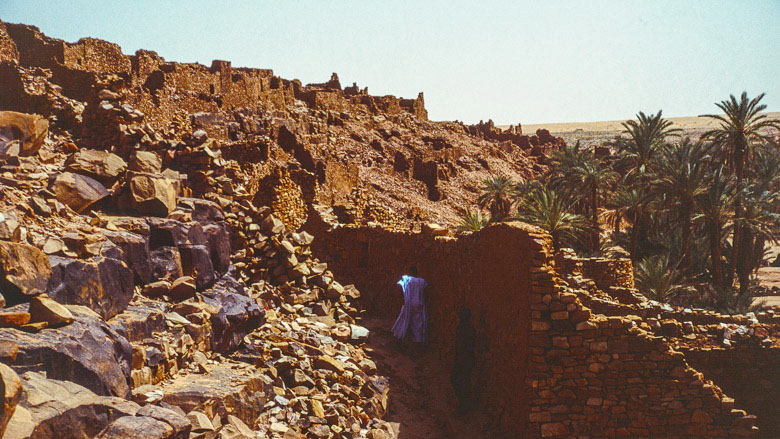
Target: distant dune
point(595, 132)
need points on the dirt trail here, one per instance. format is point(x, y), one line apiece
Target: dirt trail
point(421, 397)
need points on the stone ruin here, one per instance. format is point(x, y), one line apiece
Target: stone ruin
point(570, 348)
point(186, 251)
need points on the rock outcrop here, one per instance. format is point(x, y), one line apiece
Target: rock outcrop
point(24, 271)
point(29, 130)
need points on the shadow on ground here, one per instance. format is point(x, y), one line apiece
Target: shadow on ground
point(421, 399)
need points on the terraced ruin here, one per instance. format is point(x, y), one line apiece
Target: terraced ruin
point(192, 251)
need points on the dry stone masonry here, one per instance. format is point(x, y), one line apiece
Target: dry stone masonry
point(187, 251)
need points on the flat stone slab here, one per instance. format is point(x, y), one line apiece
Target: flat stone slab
point(227, 389)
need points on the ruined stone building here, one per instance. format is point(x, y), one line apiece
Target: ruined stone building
point(190, 251)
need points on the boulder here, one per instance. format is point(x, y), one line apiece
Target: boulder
point(178, 421)
point(150, 422)
point(165, 263)
point(156, 289)
point(11, 390)
point(202, 210)
point(87, 352)
point(8, 351)
point(62, 409)
point(218, 239)
point(182, 288)
point(152, 194)
point(13, 318)
point(103, 284)
point(196, 262)
point(77, 191)
point(169, 232)
point(227, 388)
point(45, 310)
point(237, 314)
point(136, 427)
point(237, 429)
point(103, 166)
point(138, 322)
point(24, 271)
point(30, 130)
point(146, 162)
point(135, 253)
point(9, 227)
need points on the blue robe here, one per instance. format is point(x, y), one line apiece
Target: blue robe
point(412, 323)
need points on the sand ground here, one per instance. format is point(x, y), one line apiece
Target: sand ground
point(589, 133)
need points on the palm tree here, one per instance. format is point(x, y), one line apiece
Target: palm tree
point(657, 279)
point(765, 175)
point(679, 181)
point(550, 211)
point(741, 125)
point(497, 196)
point(759, 222)
point(647, 134)
point(716, 208)
point(471, 221)
point(633, 203)
point(592, 179)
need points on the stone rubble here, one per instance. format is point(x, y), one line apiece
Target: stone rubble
point(158, 276)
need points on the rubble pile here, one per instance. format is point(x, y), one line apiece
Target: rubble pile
point(158, 280)
point(143, 274)
point(199, 119)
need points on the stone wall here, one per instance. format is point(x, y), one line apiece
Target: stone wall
point(602, 376)
point(488, 272)
point(163, 90)
point(750, 375)
point(570, 373)
point(8, 50)
point(606, 273)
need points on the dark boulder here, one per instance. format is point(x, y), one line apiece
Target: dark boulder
point(87, 352)
point(54, 408)
point(203, 211)
point(165, 263)
point(61, 409)
point(169, 232)
point(196, 262)
point(103, 284)
point(237, 314)
point(24, 271)
point(138, 322)
point(218, 239)
point(135, 253)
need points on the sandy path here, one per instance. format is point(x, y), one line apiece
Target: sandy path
point(421, 397)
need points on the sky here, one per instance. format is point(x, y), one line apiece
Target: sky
point(509, 61)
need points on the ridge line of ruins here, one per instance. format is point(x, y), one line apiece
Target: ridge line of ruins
point(224, 229)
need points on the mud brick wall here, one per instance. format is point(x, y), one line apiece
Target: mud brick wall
point(489, 272)
point(749, 375)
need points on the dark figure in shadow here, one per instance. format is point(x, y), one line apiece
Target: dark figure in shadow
point(465, 338)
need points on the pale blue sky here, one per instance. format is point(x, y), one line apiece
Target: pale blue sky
point(511, 61)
